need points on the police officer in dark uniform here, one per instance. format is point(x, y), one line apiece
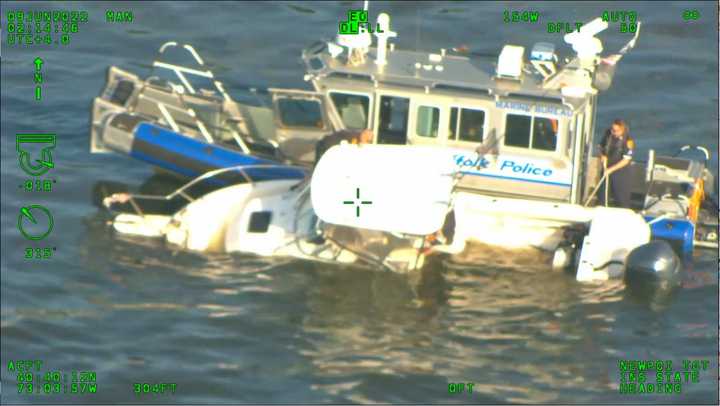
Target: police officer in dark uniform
point(616, 152)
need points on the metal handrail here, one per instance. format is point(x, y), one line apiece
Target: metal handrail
point(202, 126)
point(187, 111)
point(207, 175)
point(190, 112)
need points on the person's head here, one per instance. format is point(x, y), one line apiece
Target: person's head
point(365, 137)
point(541, 126)
point(618, 128)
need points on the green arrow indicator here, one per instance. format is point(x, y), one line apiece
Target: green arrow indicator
point(38, 63)
point(26, 212)
point(46, 163)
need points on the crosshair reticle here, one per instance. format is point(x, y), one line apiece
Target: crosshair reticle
point(357, 202)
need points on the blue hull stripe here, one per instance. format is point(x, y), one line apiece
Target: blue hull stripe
point(190, 157)
point(544, 182)
point(194, 149)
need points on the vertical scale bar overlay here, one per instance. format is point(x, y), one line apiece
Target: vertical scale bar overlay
point(38, 78)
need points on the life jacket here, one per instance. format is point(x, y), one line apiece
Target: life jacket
point(617, 149)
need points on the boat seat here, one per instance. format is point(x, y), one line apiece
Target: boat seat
point(659, 188)
point(677, 170)
point(123, 90)
point(260, 122)
point(353, 116)
point(258, 146)
point(673, 163)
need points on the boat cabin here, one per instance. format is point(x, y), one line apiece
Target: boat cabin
point(513, 133)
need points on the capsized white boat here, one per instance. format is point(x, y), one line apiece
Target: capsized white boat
point(267, 218)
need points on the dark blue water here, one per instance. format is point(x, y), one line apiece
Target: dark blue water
point(243, 329)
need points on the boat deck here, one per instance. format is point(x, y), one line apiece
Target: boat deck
point(453, 70)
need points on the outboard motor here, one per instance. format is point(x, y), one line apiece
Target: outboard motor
point(653, 269)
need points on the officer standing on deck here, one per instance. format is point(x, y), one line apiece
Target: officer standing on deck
point(616, 152)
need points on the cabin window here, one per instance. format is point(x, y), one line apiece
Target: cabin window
point(469, 126)
point(428, 121)
point(517, 130)
point(353, 109)
point(300, 113)
point(393, 114)
point(538, 133)
point(316, 63)
point(545, 131)
point(259, 221)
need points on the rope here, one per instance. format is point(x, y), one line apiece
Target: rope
point(364, 256)
point(596, 189)
point(605, 265)
point(607, 183)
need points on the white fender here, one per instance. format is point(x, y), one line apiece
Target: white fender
point(393, 188)
point(613, 234)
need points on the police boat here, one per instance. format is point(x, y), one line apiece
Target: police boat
point(467, 148)
point(520, 133)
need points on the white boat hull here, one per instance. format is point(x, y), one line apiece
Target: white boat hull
point(522, 224)
point(271, 218)
point(513, 223)
point(277, 218)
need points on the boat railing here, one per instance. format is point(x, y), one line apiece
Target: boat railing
point(180, 70)
point(184, 107)
point(165, 111)
point(182, 190)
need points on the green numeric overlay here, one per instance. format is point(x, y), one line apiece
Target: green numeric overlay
point(39, 253)
point(355, 18)
point(38, 185)
point(119, 16)
point(147, 388)
point(690, 15)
